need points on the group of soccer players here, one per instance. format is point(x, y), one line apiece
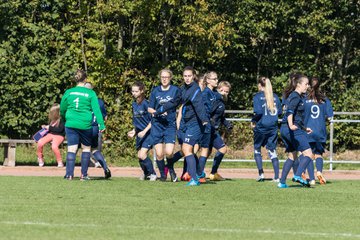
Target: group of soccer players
point(194, 113)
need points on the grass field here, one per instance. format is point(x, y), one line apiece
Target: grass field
point(126, 208)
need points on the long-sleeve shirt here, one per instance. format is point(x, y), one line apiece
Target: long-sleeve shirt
point(193, 106)
point(141, 116)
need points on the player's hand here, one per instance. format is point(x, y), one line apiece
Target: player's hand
point(131, 133)
point(253, 124)
point(309, 130)
point(102, 130)
point(141, 134)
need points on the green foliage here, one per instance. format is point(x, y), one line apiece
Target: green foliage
point(118, 42)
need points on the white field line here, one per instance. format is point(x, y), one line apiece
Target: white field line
point(193, 229)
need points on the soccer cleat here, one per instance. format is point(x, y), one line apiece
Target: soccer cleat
point(216, 177)
point(84, 178)
point(162, 179)
point(261, 178)
point(303, 182)
point(321, 178)
point(107, 173)
point(60, 165)
point(303, 176)
point(186, 177)
point(193, 182)
point(282, 185)
point(173, 175)
point(312, 182)
point(97, 165)
point(276, 180)
point(152, 177)
point(68, 177)
point(142, 177)
point(202, 180)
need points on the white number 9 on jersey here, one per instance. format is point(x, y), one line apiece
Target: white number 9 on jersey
point(315, 111)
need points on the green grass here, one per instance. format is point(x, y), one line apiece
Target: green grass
point(124, 208)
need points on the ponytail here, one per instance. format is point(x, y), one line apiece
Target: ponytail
point(268, 92)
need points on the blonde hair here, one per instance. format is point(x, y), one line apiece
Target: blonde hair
point(224, 84)
point(268, 92)
point(54, 114)
point(166, 70)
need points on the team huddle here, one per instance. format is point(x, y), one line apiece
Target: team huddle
point(201, 111)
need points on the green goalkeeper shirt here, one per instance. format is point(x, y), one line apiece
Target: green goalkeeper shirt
point(77, 106)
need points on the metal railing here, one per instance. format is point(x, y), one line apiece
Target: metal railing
point(331, 161)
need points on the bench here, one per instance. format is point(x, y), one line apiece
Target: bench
point(10, 149)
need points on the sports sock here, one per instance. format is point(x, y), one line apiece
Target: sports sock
point(310, 169)
point(85, 159)
point(202, 162)
point(185, 168)
point(296, 165)
point(217, 160)
point(100, 158)
point(176, 157)
point(286, 169)
point(148, 165)
point(319, 164)
point(70, 164)
point(170, 162)
point(191, 163)
point(258, 160)
point(303, 162)
point(142, 166)
point(198, 170)
point(275, 163)
point(161, 166)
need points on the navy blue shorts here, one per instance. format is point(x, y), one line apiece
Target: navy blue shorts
point(265, 139)
point(163, 133)
point(216, 141)
point(317, 147)
point(180, 136)
point(95, 137)
point(205, 140)
point(192, 133)
point(145, 142)
point(294, 140)
point(76, 136)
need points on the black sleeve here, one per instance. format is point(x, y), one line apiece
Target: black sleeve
point(57, 130)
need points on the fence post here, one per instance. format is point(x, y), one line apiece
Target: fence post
point(331, 144)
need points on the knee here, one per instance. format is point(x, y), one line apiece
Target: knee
point(86, 148)
point(257, 151)
point(223, 150)
point(141, 155)
point(272, 154)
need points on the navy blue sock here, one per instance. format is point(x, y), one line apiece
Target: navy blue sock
point(161, 166)
point(185, 169)
point(258, 160)
point(70, 164)
point(286, 169)
point(217, 160)
point(310, 169)
point(142, 166)
point(170, 162)
point(148, 165)
point(319, 164)
point(275, 163)
point(191, 163)
point(202, 162)
point(198, 170)
point(296, 165)
point(85, 160)
point(304, 161)
point(100, 158)
point(177, 156)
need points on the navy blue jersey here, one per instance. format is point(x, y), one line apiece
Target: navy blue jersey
point(141, 116)
point(103, 112)
point(294, 104)
point(218, 113)
point(208, 97)
point(265, 120)
point(193, 106)
point(315, 118)
point(165, 101)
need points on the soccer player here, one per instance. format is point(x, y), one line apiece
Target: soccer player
point(96, 143)
point(218, 119)
point(318, 108)
point(76, 108)
point(209, 97)
point(267, 107)
point(195, 120)
point(164, 100)
point(293, 131)
point(142, 126)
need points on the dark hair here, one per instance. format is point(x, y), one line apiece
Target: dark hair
point(315, 92)
point(295, 78)
point(80, 76)
point(139, 84)
point(189, 68)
